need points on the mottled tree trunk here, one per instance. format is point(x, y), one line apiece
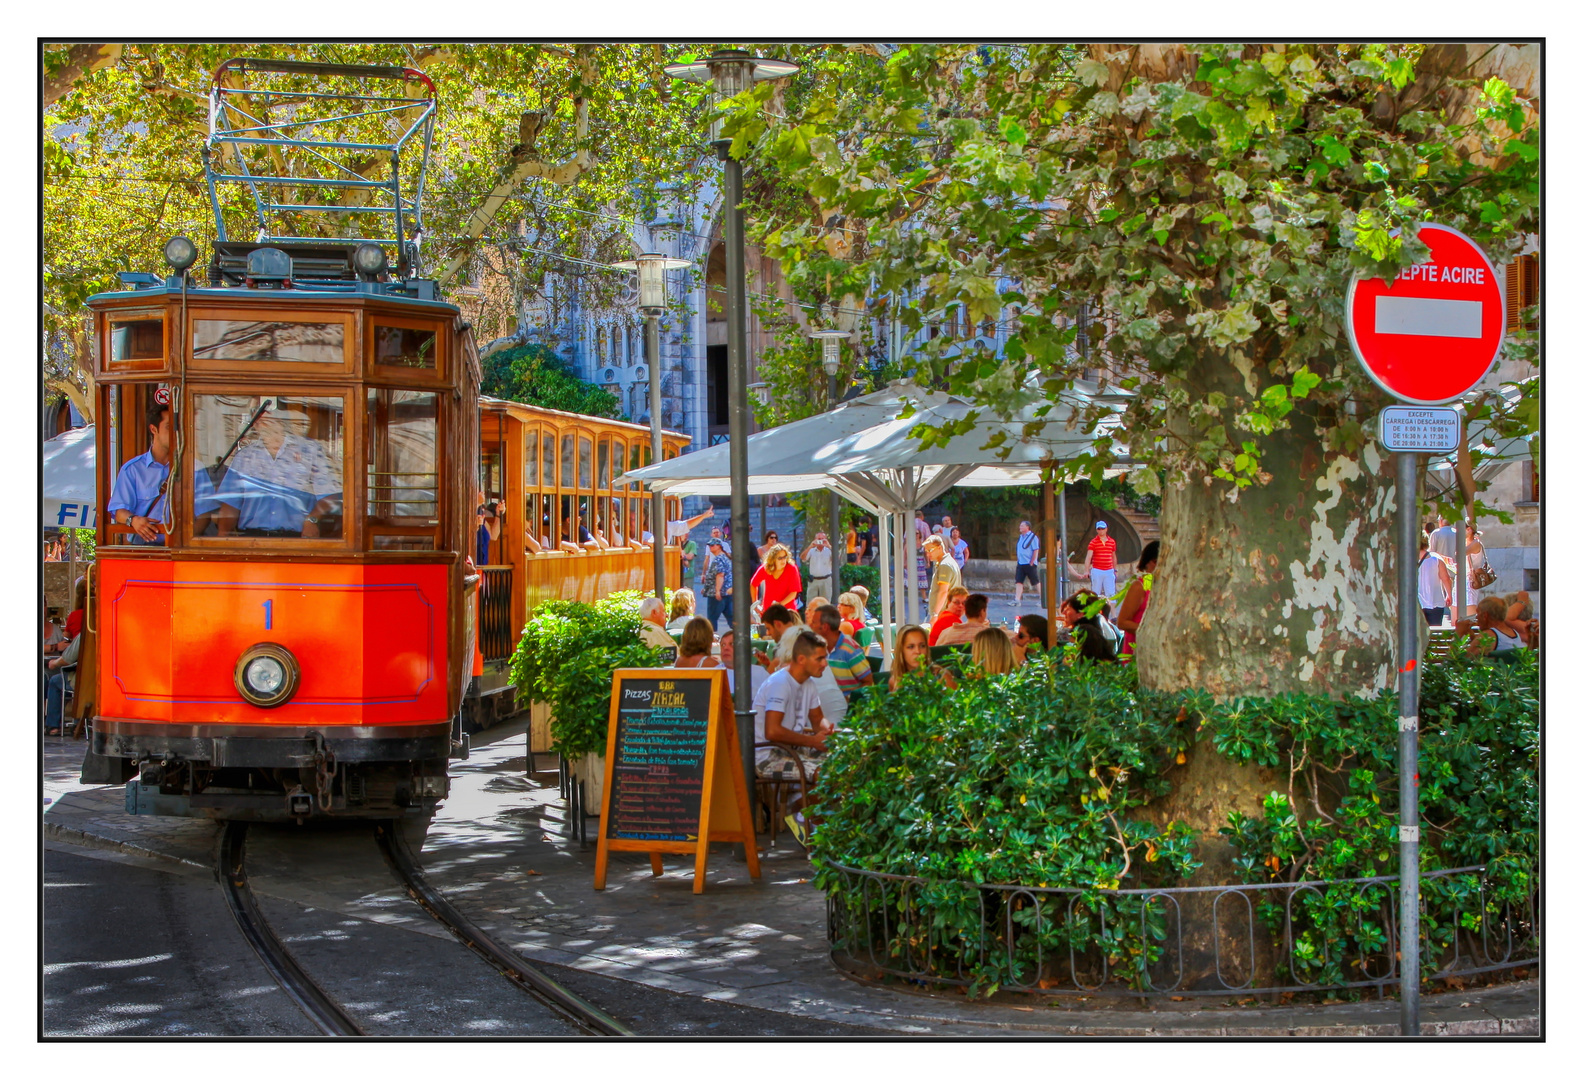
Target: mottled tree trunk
point(1289, 588)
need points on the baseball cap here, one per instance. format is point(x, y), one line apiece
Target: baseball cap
point(1100, 525)
point(714, 541)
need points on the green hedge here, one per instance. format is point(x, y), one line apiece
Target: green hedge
point(565, 657)
point(1028, 779)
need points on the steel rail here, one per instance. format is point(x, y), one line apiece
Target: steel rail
point(299, 986)
point(585, 1015)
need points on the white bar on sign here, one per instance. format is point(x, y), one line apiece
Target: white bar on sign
point(1422, 317)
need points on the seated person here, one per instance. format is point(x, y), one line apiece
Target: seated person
point(846, 668)
point(57, 685)
point(955, 609)
point(778, 620)
point(912, 654)
point(1032, 636)
point(697, 645)
point(55, 640)
point(1086, 615)
point(651, 627)
point(851, 609)
point(728, 660)
point(684, 605)
point(1520, 616)
point(1495, 635)
point(992, 653)
point(787, 710)
point(278, 483)
point(861, 592)
point(138, 498)
point(975, 617)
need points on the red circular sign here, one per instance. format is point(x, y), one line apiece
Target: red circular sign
point(1433, 334)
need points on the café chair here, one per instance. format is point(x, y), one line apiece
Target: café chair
point(775, 792)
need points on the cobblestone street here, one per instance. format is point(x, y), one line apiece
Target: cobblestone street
point(499, 848)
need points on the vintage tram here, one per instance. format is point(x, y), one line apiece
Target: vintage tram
point(282, 622)
point(286, 616)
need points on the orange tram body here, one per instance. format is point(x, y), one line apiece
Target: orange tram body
point(288, 626)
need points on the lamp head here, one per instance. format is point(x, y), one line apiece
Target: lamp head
point(651, 267)
point(369, 260)
point(831, 340)
point(730, 71)
point(180, 253)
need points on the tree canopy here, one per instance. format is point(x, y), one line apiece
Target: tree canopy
point(1181, 219)
point(534, 375)
point(572, 140)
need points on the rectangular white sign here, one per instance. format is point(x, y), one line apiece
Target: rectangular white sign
point(1421, 317)
point(1419, 429)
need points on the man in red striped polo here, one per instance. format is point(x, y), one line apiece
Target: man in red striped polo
point(1102, 561)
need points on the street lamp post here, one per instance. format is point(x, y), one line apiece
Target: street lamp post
point(831, 341)
point(651, 267)
point(730, 72)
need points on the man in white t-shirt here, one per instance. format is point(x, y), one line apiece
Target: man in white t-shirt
point(786, 709)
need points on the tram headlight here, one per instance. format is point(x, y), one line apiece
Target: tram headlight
point(180, 253)
point(369, 260)
point(267, 675)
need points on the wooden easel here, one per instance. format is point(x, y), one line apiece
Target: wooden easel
point(726, 819)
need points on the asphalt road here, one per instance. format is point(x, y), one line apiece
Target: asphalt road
point(135, 949)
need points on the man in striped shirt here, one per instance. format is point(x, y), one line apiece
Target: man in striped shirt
point(1101, 564)
point(848, 667)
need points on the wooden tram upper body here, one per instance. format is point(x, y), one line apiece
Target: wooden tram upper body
point(346, 563)
point(554, 474)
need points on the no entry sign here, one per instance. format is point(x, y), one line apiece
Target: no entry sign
point(1433, 334)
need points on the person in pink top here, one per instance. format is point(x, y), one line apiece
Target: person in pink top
point(1136, 601)
point(778, 578)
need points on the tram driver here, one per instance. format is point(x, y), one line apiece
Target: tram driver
point(139, 498)
point(280, 482)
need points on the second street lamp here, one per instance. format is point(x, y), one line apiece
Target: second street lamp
point(831, 340)
point(731, 71)
point(651, 267)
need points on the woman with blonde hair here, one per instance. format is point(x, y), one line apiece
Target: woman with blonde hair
point(697, 645)
point(684, 604)
point(912, 654)
point(992, 652)
point(780, 579)
point(851, 609)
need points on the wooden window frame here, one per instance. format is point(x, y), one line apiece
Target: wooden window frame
point(147, 366)
point(441, 487)
point(354, 496)
point(291, 369)
point(392, 373)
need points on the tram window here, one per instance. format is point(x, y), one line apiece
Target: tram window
point(604, 464)
point(568, 462)
point(585, 463)
point(404, 346)
point(403, 456)
point(540, 515)
point(635, 458)
point(268, 465)
point(269, 340)
point(139, 338)
point(618, 457)
point(142, 491)
point(549, 460)
point(530, 458)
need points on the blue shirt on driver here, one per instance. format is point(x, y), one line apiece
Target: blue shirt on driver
point(138, 491)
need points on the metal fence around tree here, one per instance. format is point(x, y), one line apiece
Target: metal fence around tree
point(1217, 940)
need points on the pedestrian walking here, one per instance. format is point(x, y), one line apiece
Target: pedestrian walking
point(958, 549)
point(778, 578)
point(921, 527)
point(1027, 559)
point(1100, 567)
point(1434, 575)
point(717, 584)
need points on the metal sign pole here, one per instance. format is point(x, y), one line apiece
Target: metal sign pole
point(1407, 729)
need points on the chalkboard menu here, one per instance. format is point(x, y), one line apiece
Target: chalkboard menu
point(657, 773)
point(673, 771)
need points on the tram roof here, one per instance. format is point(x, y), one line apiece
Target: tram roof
point(524, 411)
point(238, 295)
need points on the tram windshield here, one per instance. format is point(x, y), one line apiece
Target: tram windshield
point(268, 466)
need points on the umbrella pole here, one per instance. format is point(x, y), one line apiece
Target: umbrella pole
point(885, 619)
point(898, 550)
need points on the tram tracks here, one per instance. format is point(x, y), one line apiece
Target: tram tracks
point(322, 1008)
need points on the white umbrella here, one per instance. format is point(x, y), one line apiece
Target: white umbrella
point(863, 449)
point(70, 482)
